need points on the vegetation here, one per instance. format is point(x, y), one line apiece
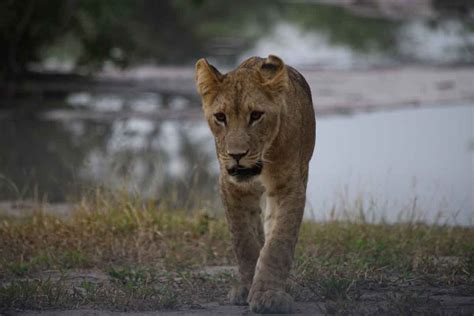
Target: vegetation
point(119, 252)
point(91, 33)
point(344, 28)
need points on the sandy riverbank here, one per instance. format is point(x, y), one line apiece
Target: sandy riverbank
point(334, 91)
point(342, 91)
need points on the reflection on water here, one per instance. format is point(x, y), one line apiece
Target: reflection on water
point(57, 157)
point(386, 162)
point(396, 161)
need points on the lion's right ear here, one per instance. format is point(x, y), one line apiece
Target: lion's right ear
point(208, 79)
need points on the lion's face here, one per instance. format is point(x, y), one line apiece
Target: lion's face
point(243, 116)
point(242, 124)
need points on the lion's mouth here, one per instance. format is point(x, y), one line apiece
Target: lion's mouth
point(242, 173)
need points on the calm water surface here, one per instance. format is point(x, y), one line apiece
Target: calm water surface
point(392, 162)
point(387, 164)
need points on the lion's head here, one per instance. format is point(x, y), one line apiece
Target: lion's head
point(243, 109)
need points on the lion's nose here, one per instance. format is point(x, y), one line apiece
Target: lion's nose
point(238, 156)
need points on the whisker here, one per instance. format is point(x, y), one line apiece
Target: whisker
point(265, 160)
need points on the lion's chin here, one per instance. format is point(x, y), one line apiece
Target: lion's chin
point(241, 173)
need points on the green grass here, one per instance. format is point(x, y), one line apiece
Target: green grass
point(118, 252)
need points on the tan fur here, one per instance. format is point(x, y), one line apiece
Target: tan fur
point(282, 140)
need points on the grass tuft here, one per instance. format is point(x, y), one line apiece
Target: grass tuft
point(118, 252)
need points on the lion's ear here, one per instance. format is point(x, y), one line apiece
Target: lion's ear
point(274, 74)
point(208, 79)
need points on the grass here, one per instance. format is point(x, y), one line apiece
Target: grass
point(119, 252)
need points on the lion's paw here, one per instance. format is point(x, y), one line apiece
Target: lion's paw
point(271, 302)
point(238, 294)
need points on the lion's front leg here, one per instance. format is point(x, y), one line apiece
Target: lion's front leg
point(267, 294)
point(242, 204)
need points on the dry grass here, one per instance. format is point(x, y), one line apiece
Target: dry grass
point(119, 252)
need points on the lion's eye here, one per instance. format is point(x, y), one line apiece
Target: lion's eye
point(220, 117)
point(255, 115)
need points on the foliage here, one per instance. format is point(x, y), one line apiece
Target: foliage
point(171, 31)
point(344, 28)
point(114, 31)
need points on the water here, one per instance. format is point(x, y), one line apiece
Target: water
point(392, 162)
point(385, 163)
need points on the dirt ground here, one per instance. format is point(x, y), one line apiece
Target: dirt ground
point(119, 256)
point(397, 298)
point(206, 309)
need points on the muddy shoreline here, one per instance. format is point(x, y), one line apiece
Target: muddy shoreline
point(335, 92)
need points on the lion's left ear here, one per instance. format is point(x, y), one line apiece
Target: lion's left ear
point(274, 74)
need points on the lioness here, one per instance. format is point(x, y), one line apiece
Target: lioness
point(262, 118)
